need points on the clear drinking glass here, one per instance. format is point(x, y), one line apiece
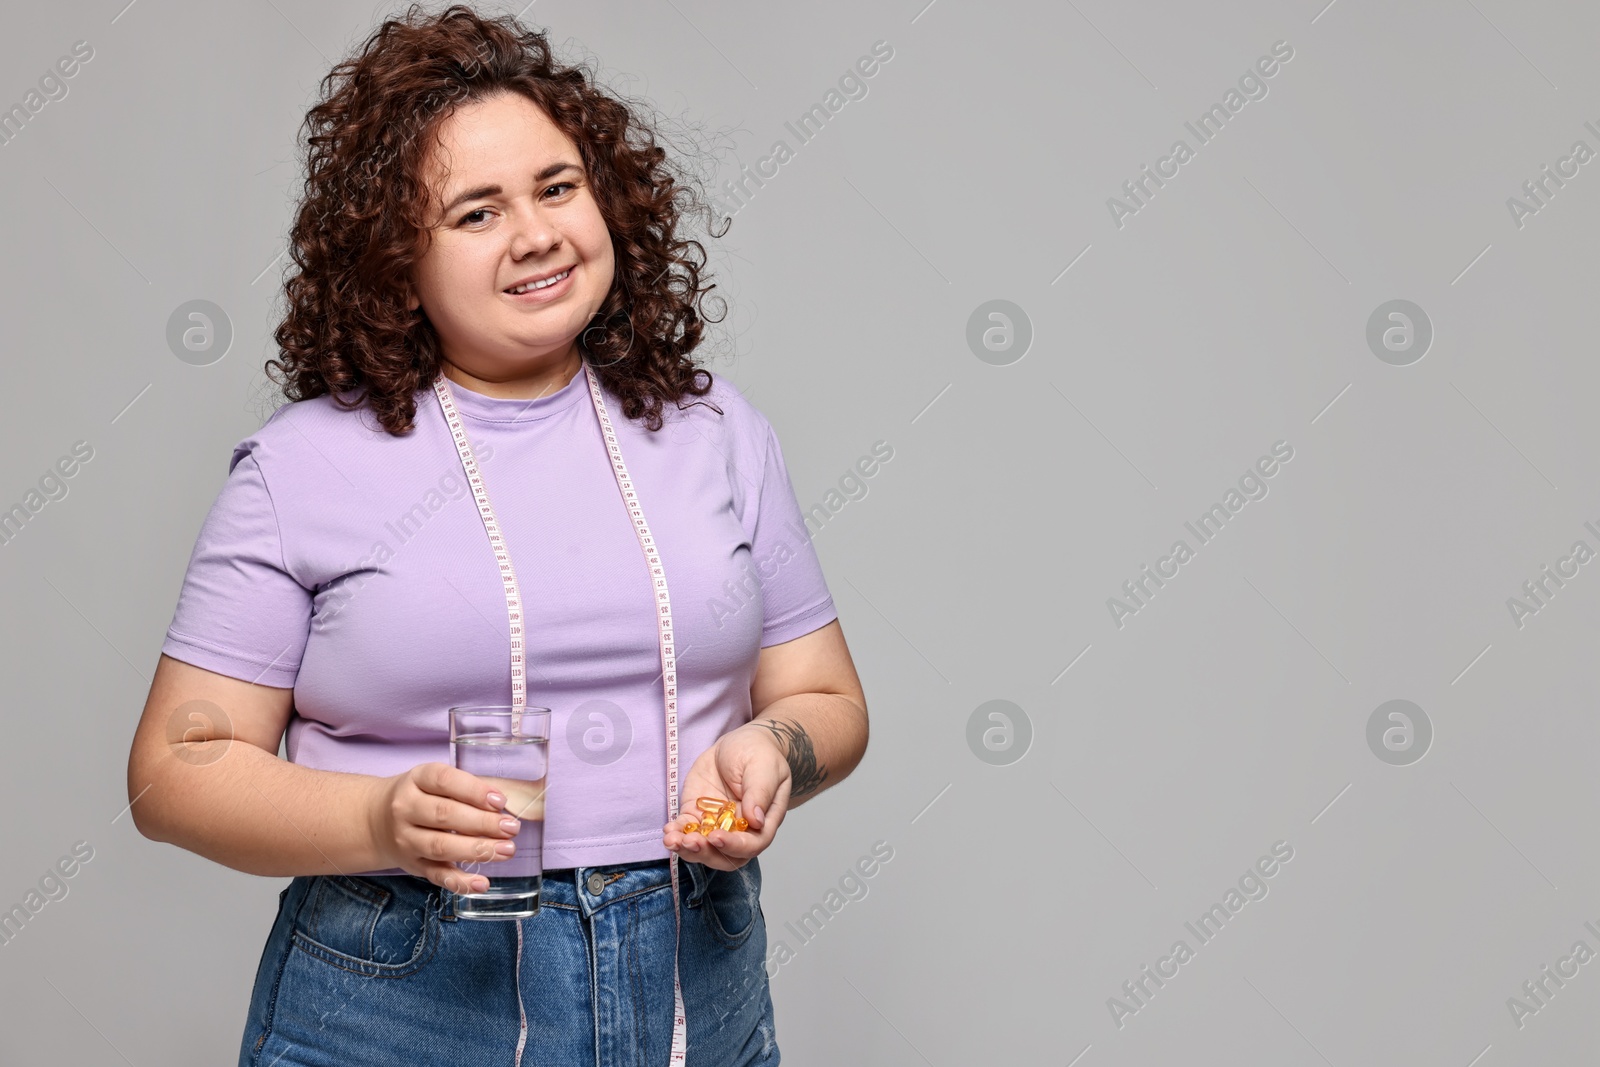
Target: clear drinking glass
point(511, 750)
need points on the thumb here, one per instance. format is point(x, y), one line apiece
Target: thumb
point(760, 786)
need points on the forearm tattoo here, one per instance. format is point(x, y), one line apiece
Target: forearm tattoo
point(806, 774)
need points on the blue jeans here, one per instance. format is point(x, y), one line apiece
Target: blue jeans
point(378, 970)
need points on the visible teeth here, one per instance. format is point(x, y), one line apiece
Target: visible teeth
point(541, 285)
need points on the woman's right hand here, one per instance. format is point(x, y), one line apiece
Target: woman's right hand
point(413, 813)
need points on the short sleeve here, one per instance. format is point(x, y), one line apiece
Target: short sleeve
point(240, 612)
point(793, 591)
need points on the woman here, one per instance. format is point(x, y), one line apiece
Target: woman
point(487, 240)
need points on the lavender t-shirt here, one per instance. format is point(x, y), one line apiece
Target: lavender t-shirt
point(354, 567)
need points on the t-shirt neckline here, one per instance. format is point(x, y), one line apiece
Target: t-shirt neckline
point(485, 408)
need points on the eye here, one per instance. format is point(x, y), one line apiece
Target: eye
point(468, 217)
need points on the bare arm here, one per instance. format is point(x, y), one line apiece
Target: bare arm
point(204, 774)
point(807, 731)
point(807, 695)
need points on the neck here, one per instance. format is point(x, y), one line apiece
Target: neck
point(526, 386)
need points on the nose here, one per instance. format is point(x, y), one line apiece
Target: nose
point(531, 233)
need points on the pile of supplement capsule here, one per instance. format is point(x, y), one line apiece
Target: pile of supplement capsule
point(716, 814)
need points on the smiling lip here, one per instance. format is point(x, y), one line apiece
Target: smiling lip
point(539, 278)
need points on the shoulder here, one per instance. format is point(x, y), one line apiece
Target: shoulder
point(738, 417)
point(300, 433)
point(718, 429)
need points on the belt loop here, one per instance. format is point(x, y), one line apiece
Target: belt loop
point(446, 904)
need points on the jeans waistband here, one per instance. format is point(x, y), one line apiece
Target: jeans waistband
point(585, 889)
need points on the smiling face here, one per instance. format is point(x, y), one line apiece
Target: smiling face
point(516, 205)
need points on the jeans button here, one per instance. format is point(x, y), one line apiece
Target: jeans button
point(597, 882)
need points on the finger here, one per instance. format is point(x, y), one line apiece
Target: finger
point(698, 846)
point(691, 844)
point(524, 799)
point(450, 877)
point(445, 847)
point(441, 779)
point(763, 821)
point(674, 833)
point(709, 857)
point(432, 812)
point(768, 814)
point(737, 845)
point(684, 819)
point(727, 843)
point(745, 844)
point(759, 789)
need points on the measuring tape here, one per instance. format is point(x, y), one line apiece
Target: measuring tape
point(669, 671)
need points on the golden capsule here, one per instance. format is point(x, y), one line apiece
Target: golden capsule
point(725, 819)
point(741, 824)
point(691, 827)
point(710, 803)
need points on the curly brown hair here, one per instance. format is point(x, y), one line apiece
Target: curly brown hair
point(357, 229)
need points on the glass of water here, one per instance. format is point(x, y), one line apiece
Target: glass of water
point(510, 749)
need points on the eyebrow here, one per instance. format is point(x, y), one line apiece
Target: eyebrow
point(494, 190)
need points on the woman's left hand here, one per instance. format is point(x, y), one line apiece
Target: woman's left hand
point(746, 766)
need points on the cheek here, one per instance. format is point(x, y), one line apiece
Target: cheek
point(449, 272)
point(594, 238)
point(599, 251)
point(600, 261)
point(473, 261)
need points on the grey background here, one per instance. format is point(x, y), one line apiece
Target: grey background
point(1229, 313)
